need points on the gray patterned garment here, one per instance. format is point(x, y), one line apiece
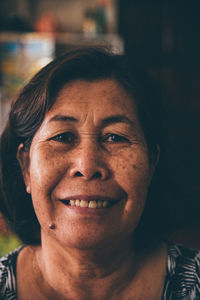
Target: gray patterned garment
point(182, 280)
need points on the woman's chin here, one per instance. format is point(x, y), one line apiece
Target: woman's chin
point(84, 239)
point(85, 243)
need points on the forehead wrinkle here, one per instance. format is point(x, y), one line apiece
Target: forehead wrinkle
point(81, 92)
point(117, 119)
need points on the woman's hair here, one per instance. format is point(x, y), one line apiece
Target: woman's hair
point(27, 114)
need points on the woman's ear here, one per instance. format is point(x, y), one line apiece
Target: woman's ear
point(23, 159)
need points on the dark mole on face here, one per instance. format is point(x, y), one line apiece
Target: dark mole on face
point(134, 167)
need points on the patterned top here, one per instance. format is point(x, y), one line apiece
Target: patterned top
point(182, 280)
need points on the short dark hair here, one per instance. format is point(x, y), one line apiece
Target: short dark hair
point(36, 99)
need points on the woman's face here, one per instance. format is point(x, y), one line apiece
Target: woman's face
point(88, 169)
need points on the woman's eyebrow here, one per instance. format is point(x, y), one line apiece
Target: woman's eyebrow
point(105, 122)
point(63, 118)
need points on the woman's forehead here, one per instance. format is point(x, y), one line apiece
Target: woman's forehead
point(100, 96)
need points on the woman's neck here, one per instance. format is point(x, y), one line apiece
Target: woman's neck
point(80, 273)
point(113, 272)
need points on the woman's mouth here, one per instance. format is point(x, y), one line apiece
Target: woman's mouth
point(92, 202)
point(89, 204)
point(92, 205)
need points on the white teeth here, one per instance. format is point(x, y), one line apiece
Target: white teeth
point(77, 202)
point(83, 203)
point(93, 204)
point(72, 202)
point(89, 204)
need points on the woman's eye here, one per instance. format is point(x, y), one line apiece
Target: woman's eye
point(66, 137)
point(114, 138)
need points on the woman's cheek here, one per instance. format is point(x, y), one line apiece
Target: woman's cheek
point(46, 167)
point(133, 177)
point(131, 169)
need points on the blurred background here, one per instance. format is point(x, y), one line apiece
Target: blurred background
point(163, 36)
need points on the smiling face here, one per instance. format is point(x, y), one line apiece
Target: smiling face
point(87, 169)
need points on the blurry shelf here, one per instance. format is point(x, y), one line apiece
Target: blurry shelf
point(69, 40)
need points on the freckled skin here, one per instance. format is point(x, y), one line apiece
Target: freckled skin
point(51, 173)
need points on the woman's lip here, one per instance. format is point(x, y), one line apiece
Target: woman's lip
point(90, 211)
point(90, 198)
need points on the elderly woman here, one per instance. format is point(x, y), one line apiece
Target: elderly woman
point(77, 159)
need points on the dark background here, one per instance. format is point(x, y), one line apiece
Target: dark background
point(164, 37)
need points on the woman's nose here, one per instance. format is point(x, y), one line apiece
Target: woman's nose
point(88, 162)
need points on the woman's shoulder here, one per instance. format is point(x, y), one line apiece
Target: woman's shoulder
point(8, 275)
point(183, 273)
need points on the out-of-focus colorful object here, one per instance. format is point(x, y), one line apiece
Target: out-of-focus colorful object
point(96, 18)
point(8, 241)
point(95, 21)
point(21, 56)
point(47, 23)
